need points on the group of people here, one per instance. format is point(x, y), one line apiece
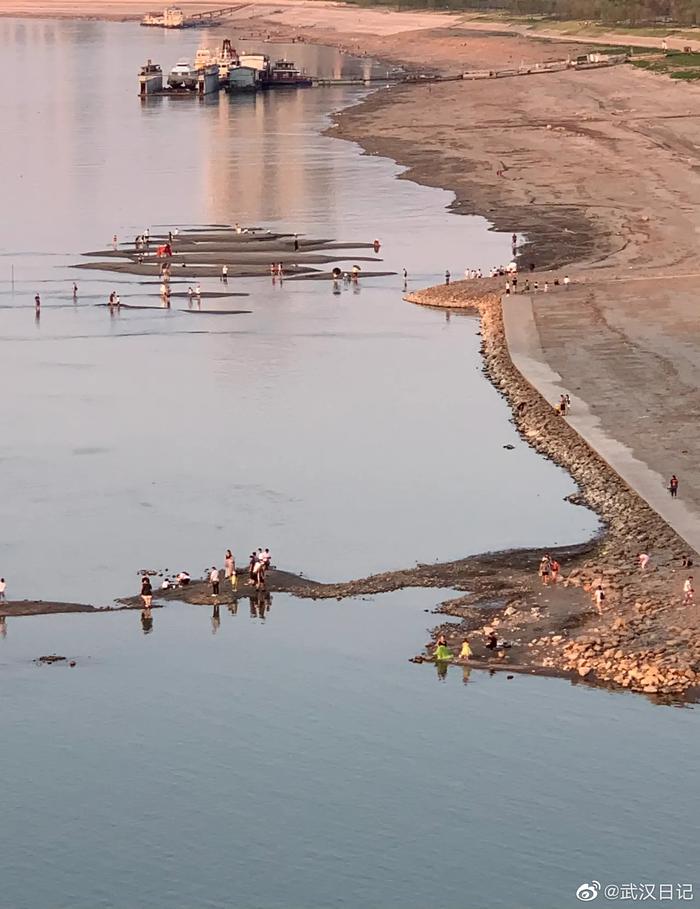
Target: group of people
point(258, 566)
point(548, 569)
point(141, 241)
point(562, 407)
point(535, 286)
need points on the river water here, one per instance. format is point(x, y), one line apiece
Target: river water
point(295, 759)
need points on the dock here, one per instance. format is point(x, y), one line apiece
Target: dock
point(358, 80)
point(173, 17)
point(212, 15)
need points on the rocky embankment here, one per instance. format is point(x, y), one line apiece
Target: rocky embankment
point(646, 639)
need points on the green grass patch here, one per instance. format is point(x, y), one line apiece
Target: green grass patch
point(681, 59)
point(687, 75)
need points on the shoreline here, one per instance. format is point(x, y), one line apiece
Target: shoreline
point(635, 644)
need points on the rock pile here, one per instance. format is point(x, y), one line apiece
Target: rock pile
point(633, 644)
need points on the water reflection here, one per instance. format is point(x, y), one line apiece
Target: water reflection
point(259, 603)
point(146, 621)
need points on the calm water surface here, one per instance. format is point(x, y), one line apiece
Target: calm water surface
point(297, 760)
point(349, 434)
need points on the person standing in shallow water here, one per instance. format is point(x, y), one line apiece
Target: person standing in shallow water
point(146, 592)
point(673, 486)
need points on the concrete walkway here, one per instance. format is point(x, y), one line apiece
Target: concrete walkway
point(528, 356)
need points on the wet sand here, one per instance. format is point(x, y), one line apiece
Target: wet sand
point(202, 253)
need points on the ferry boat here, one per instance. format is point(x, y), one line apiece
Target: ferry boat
point(285, 74)
point(183, 75)
point(171, 17)
point(226, 59)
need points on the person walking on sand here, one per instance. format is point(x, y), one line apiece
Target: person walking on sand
point(214, 578)
point(229, 564)
point(146, 592)
point(599, 598)
point(643, 559)
point(688, 591)
point(554, 568)
point(507, 288)
point(545, 568)
point(673, 486)
point(567, 281)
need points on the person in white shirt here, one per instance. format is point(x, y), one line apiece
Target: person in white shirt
point(599, 596)
point(3, 586)
point(214, 578)
point(183, 578)
point(166, 585)
point(688, 591)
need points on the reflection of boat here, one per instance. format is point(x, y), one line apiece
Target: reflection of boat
point(284, 74)
point(183, 75)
